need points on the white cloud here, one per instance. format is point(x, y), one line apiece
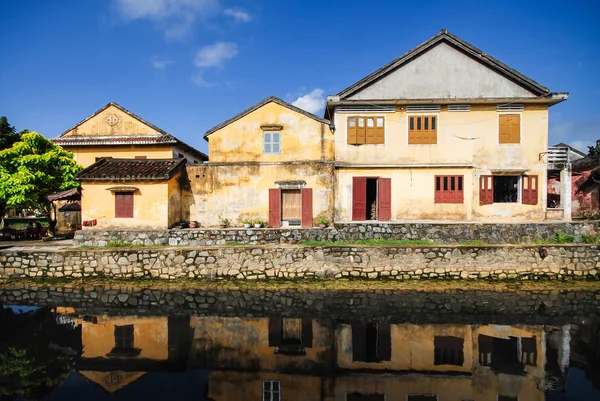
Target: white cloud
point(160, 64)
point(579, 133)
point(312, 102)
point(216, 54)
point(238, 14)
point(199, 80)
point(175, 17)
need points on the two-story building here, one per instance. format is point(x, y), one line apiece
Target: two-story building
point(133, 171)
point(272, 162)
point(444, 132)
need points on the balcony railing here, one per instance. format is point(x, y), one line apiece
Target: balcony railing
point(558, 157)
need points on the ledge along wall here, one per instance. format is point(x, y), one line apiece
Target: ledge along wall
point(260, 262)
point(446, 233)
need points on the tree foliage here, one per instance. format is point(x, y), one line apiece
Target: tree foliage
point(8, 134)
point(33, 168)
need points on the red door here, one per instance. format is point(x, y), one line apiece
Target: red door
point(359, 198)
point(384, 197)
point(274, 207)
point(307, 207)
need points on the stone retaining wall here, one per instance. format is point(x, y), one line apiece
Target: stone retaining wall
point(254, 262)
point(447, 233)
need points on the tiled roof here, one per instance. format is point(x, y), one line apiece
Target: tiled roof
point(260, 104)
point(114, 140)
point(109, 169)
point(70, 194)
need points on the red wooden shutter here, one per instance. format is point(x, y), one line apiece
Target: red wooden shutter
point(275, 331)
point(385, 199)
point(307, 332)
point(274, 207)
point(530, 190)
point(124, 204)
point(359, 198)
point(384, 342)
point(486, 189)
point(307, 207)
point(437, 189)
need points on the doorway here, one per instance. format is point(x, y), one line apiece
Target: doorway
point(371, 198)
point(291, 206)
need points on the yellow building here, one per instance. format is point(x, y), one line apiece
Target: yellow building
point(132, 177)
point(444, 132)
point(272, 162)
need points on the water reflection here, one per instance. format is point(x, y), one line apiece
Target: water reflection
point(273, 358)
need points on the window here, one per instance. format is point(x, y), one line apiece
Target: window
point(124, 337)
point(290, 335)
point(366, 130)
point(449, 189)
point(501, 354)
point(505, 189)
point(421, 397)
point(271, 390)
point(124, 204)
point(422, 130)
point(371, 342)
point(271, 143)
point(141, 157)
point(507, 398)
point(448, 351)
point(509, 129)
point(528, 351)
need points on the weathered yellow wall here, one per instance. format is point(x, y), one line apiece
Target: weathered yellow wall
point(243, 343)
point(150, 336)
point(412, 348)
point(98, 126)
point(86, 156)
point(174, 200)
point(302, 137)
point(150, 203)
point(466, 138)
point(225, 386)
point(242, 191)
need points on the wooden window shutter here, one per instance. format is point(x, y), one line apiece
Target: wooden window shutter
point(140, 157)
point(379, 130)
point(359, 198)
point(370, 126)
point(529, 194)
point(515, 128)
point(384, 342)
point(124, 204)
point(361, 130)
point(352, 130)
point(274, 207)
point(509, 128)
point(307, 207)
point(384, 197)
point(307, 332)
point(359, 342)
point(437, 188)
point(275, 331)
point(486, 190)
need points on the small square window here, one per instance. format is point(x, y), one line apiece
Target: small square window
point(370, 122)
point(379, 122)
point(271, 390)
point(361, 121)
point(352, 122)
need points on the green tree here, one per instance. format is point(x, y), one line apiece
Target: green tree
point(8, 134)
point(32, 169)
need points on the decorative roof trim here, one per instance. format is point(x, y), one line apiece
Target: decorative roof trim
point(260, 104)
point(167, 174)
point(445, 36)
point(122, 189)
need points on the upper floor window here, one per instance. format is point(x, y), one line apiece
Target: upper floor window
point(449, 189)
point(366, 130)
point(509, 128)
point(271, 390)
point(448, 350)
point(422, 130)
point(271, 143)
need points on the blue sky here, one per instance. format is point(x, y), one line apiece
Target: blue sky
point(187, 65)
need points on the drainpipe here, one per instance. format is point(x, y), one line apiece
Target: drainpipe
point(566, 191)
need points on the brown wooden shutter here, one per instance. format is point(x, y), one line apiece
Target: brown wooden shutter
point(307, 207)
point(307, 332)
point(515, 128)
point(361, 131)
point(275, 331)
point(274, 207)
point(359, 342)
point(384, 342)
point(379, 130)
point(124, 204)
point(370, 129)
point(509, 128)
point(384, 197)
point(352, 131)
point(359, 198)
point(486, 190)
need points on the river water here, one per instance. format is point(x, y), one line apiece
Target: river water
point(114, 343)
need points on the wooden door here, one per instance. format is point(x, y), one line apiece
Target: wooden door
point(275, 207)
point(290, 204)
point(359, 198)
point(384, 199)
point(307, 207)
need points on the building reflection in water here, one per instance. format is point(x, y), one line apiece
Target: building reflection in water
point(281, 358)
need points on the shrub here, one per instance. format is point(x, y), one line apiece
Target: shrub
point(563, 238)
